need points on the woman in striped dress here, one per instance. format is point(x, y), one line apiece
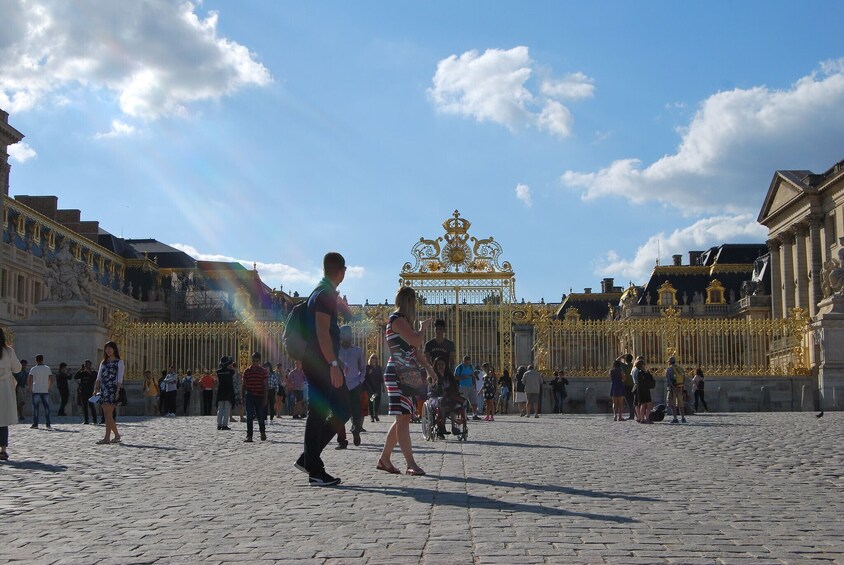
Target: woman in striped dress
point(404, 342)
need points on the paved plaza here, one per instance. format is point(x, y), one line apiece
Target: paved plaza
point(725, 488)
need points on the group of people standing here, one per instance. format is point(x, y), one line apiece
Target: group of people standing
point(102, 388)
point(631, 382)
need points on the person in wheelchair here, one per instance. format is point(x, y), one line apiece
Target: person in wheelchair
point(443, 395)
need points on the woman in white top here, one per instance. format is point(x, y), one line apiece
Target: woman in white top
point(109, 382)
point(9, 364)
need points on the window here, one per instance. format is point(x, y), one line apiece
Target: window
point(21, 290)
point(715, 293)
point(666, 295)
point(4, 288)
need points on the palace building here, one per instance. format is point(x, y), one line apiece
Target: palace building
point(803, 213)
point(147, 279)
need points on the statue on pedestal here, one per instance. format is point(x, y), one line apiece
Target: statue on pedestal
point(65, 278)
point(832, 276)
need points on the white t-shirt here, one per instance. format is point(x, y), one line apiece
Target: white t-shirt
point(40, 379)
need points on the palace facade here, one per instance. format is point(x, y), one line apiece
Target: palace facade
point(803, 213)
point(145, 278)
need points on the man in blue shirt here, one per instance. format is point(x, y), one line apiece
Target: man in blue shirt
point(329, 396)
point(464, 373)
point(354, 368)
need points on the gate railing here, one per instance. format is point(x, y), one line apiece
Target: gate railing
point(734, 347)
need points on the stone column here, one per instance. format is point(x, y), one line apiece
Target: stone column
point(776, 278)
point(787, 266)
point(801, 267)
point(815, 259)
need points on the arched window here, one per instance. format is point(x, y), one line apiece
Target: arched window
point(667, 295)
point(715, 293)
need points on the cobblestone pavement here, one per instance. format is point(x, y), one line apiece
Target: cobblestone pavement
point(725, 488)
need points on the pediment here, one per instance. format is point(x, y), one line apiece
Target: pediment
point(781, 193)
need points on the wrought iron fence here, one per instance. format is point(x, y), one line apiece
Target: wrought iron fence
point(735, 347)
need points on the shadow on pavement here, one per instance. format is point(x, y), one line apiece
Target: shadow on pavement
point(462, 500)
point(528, 445)
point(36, 466)
point(547, 488)
point(158, 447)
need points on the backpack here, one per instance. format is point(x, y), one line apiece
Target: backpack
point(649, 380)
point(296, 334)
point(658, 413)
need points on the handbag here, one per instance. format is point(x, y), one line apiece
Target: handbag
point(412, 379)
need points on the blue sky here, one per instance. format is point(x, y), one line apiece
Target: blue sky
point(577, 134)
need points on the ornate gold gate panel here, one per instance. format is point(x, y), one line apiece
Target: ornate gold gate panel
point(199, 346)
point(462, 280)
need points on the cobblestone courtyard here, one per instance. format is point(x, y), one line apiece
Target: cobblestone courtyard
point(726, 488)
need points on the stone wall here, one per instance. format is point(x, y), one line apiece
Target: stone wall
point(723, 394)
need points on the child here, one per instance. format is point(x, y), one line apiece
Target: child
point(489, 393)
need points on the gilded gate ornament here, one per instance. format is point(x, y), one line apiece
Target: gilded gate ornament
point(456, 252)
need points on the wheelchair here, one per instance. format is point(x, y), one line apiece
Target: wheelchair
point(457, 418)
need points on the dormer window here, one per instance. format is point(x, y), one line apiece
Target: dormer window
point(715, 293)
point(667, 295)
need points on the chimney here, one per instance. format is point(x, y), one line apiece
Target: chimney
point(607, 284)
point(678, 260)
point(694, 257)
point(587, 290)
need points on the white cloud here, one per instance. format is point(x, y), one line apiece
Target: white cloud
point(273, 274)
point(573, 86)
point(118, 129)
point(555, 118)
point(701, 235)
point(523, 194)
point(493, 86)
point(156, 56)
point(21, 152)
point(733, 145)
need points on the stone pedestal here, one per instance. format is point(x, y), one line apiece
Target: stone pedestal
point(828, 328)
point(61, 331)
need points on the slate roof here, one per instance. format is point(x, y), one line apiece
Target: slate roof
point(731, 264)
point(165, 256)
point(591, 306)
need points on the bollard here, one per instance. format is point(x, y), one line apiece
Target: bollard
point(807, 402)
point(590, 404)
point(723, 400)
point(765, 403)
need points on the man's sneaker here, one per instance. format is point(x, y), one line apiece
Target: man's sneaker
point(683, 420)
point(300, 464)
point(476, 417)
point(356, 438)
point(322, 479)
point(49, 427)
point(263, 436)
point(675, 421)
point(34, 426)
point(248, 439)
point(343, 445)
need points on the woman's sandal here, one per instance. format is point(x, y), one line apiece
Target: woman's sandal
point(391, 469)
point(116, 440)
point(103, 442)
point(415, 472)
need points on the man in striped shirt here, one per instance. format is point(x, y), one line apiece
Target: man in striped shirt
point(254, 394)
